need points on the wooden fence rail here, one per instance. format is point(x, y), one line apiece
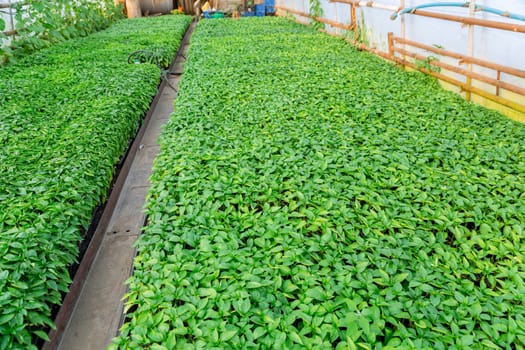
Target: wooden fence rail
point(469, 74)
point(398, 52)
point(11, 5)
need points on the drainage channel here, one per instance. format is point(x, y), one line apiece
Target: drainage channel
point(92, 311)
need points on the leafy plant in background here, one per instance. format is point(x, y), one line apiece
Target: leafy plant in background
point(67, 115)
point(427, 64)
point(311, 196)
point(362, 32)
point(316, 11)
point(41, 23)
point(5, 51)
point(157, 55)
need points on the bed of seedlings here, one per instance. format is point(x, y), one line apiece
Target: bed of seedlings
point(310, 196)
point(67, 115)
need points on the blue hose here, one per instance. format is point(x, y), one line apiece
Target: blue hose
point(460, 4)
point(501, 13)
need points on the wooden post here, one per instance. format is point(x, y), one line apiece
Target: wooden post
point(470, 51)
point(336, 17)
point(391, 43)
point(498, 78)
point(133, 8)
point(462, 58)
point(403, 25)
point(11, 15)
point(517, 28)
point(354, 21)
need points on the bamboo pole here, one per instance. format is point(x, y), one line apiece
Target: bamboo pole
point(379, 53)
point(463, 58)
point(519, 28)
point(335, 12)
point(8, 5)
point(13, 3)
point(10, 32)
point(333, 23)
point(353, 16)
point(470, 49)
point(372, 4)
point(498, 77)
point(11, 19)
point(467, 73)
point(320, 19)
point(391, 43)
point(403, 23)
point(503, 101)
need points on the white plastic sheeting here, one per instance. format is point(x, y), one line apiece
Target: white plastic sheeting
point(7, 15)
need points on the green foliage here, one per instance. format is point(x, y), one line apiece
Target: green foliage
point(316, 11)
point(311, 196)
point(362, 31)
point(157, 55)
point(67, 115)
point(43, 23)
point(427, 64)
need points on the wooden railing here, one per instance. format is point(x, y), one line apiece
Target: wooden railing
point(320, 19)
point(472, 21)
point(414, 55)
point(400, 53)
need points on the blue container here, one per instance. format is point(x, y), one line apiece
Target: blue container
point(270, 10)
point(206, 14)
point(259, 10)
point(248, 14)
point(269, 2)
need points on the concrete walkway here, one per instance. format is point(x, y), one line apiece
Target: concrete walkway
point(98, 312)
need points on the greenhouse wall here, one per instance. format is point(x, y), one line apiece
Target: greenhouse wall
point(503, 47)
point(7, 20)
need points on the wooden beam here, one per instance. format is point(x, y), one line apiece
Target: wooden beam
point(391, 43)
point(13, 4)
point(353, 17)
point(502, 101)
point(463, 59)
point(372, 4)
point(465, 72)
point(320, 19)
point(519, 28)
point(10, 32)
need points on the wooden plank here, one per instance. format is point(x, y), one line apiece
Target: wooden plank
point(320, 19)
point(10, 32)
point(519, 28)
point(498, 99)
point(465, 72)
point(466, 59)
